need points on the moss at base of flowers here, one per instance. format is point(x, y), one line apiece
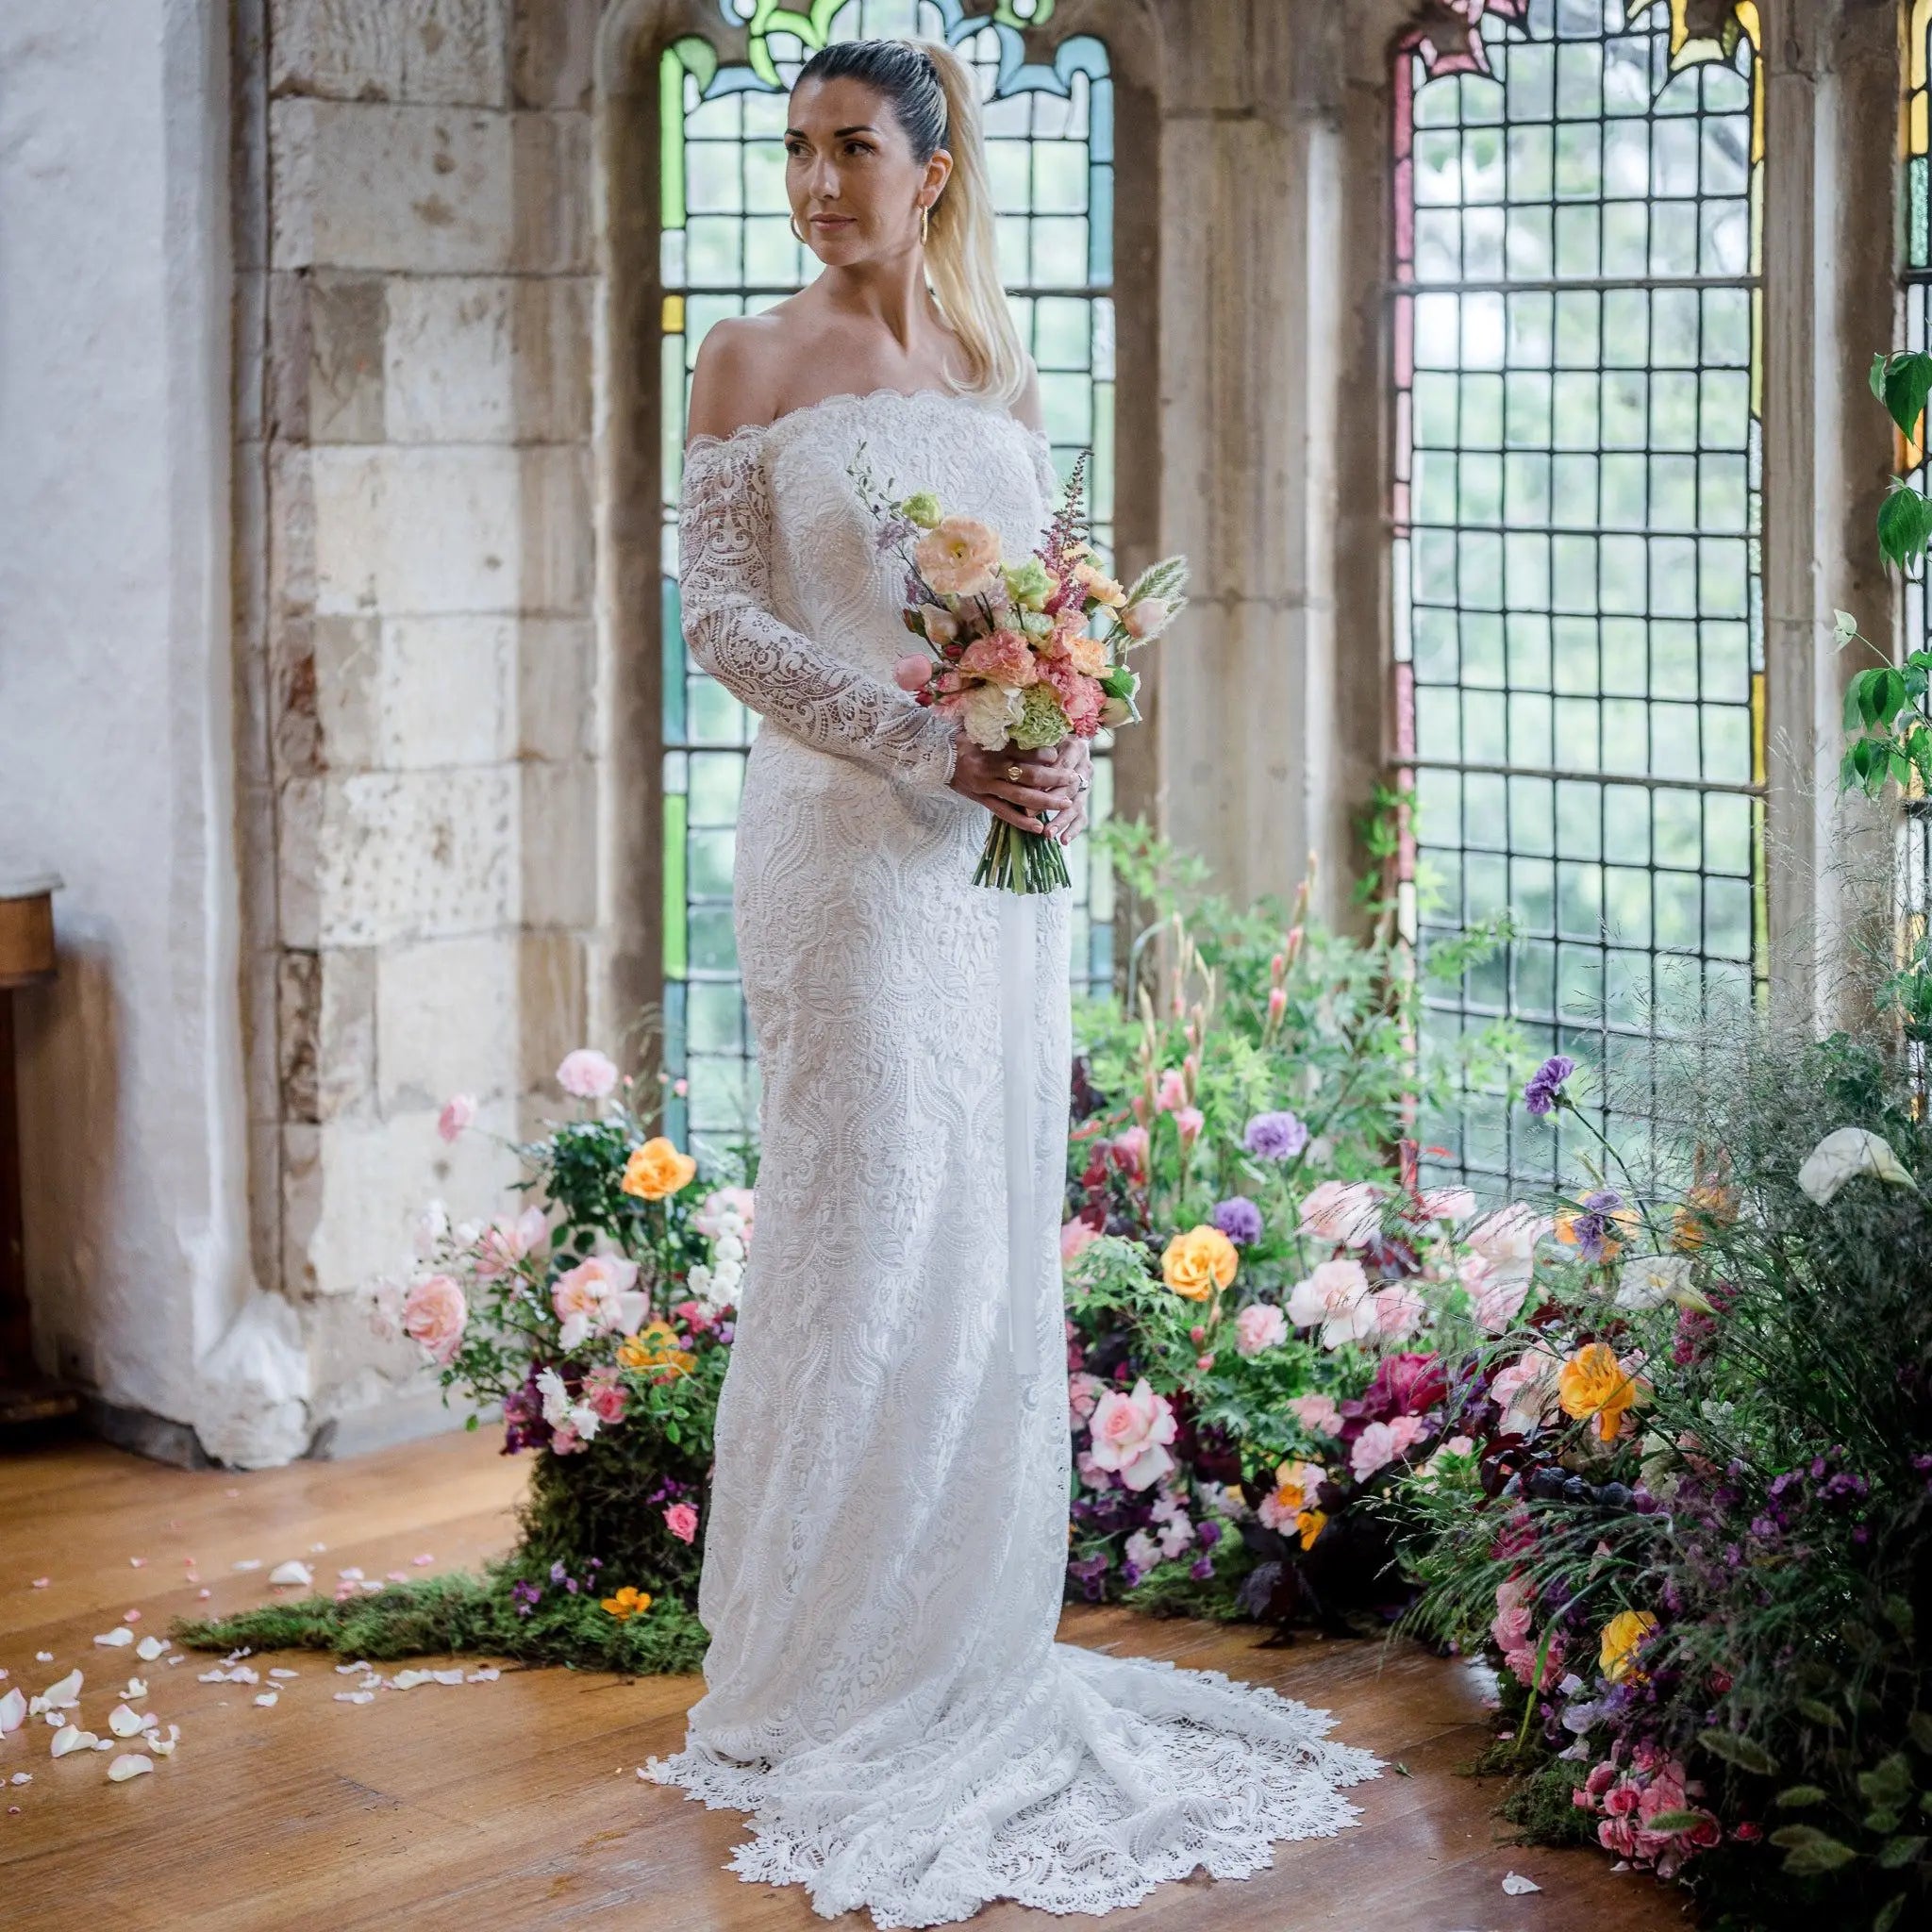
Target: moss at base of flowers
point(454, 1614)
point(1536, 1800)
point(1169, 1590)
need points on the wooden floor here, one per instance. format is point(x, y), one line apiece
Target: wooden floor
point(516, 1803)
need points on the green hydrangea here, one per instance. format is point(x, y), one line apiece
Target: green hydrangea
point(922, 507)
point(1041, 721)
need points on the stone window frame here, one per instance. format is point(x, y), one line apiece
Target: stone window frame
point(634, 34)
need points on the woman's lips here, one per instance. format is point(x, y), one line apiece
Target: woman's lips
point(831, 221)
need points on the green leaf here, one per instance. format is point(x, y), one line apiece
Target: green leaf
point(1889, 1782)
point(471, 1423)
point(1820, 1713)
point(1846, 627)
point(1920, 1725)
point(1882, 1822)
point(1905, 524)
point(1810, 1852)
point(1898, 1852)
point(1746, 1753)
point(1887, 1914)
point(1877, 378)
point(1908, 383)
point(1798, 1796)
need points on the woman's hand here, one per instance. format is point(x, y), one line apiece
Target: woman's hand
point(1047, 781)
point(1055, 780)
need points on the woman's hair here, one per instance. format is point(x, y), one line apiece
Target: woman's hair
point(932, 93)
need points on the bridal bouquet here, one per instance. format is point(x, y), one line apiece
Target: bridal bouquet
point(1023, 655)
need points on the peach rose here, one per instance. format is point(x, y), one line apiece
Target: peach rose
point(657, 1169)
point(434, 1313)
point(1196, 1263)
point(959, 558)
point(596, 1297)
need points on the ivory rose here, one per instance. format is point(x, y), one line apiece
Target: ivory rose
point(657, 1168)
point(1260, 1326)
point(1130, 1435)
point(434, 1313)
point(959, 556)
point(598, 1296)
point(1335, 1298)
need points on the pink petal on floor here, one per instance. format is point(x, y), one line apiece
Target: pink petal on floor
point(205, 1592)
point(132, 1617)
point(41, 1582)
point(138, 1562)
point(425, 1557)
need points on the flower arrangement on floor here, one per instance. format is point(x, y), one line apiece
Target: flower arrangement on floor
point(599, 1317)
point(1691, 1527)
point(1261, 1296)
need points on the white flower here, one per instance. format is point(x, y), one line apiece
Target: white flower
point(1846, 1155)
point(990, 712)
point(559, 1411)
point(699, 1281)
point(1141, 1551)
point(1336, 1296)
point(728, 1248)
point(1649, 1281)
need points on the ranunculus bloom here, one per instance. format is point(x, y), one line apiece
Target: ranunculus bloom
point(1260, 1326)
point(1318, 1414)
point(959, 556)
point(1843, 1156)
point(910, 673)
point(458, 1110)
point(587, 1073)
point(1335, 1298)
point(1076, 1236)
point(1196, 1263)
point(1594, 1383)
point(1130, 1433)
point(1622, 1636)
point(657, 1168)
point(1003, 657)
point(598, 1296)
point(681, 1520)
point(434, 1312)
point(1344, 1213)
point(507, 1240)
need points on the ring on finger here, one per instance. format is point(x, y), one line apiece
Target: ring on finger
point(1014, 774)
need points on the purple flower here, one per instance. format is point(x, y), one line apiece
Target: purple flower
point(1207, 1532)
point(1545, 1088)
point(1202, 1569)
point(1239, 1219)
point(1274, 1137)
point(526, 1596)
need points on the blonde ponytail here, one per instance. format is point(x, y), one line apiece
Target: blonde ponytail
point(961, 252)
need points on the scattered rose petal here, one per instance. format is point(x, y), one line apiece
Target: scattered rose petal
point(268, 1699)
point(72, 1737)
point(44, 1657)
point(164, 1747)
point(150, 1647)
point(119, 1635)
point(131, 1616)
point(350, 1576)
point(447, 1676)
point(408, 1680)
point(205, 1592)
point(214, 1678)
point(22, 1778)
point(231, 1493)
point(248, 1563)
point(124, 1723)
point(425, 1557)
point(350, 1670)
point(138, 1562)
point(137, 1687)
point(1515, 1885)
point(371, 1587)
point(355, 1696)
point(488, 1674)
point(398, 1575)
point(293, 1570)
point(41, 1582)
point(316, 1549)
point(61, 1696)
point(278, 1672)
point(12, 1711)
point(129, 1764)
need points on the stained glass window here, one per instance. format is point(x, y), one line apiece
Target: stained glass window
point(1578, 627)
point(1915, 830)
point(729, 250)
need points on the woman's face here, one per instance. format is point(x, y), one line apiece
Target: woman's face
point(854, 186)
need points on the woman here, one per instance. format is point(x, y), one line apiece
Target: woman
point(884, 1554)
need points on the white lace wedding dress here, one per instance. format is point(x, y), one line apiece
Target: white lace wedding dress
point(883, 1559)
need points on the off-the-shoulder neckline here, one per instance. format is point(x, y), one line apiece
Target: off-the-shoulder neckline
point(752, 432)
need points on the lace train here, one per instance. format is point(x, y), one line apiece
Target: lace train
point(1112, 1775)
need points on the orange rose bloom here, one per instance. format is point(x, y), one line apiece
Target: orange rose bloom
point(1594, 1382)
point(657, 1168)
point(1196, 1263)
point(655, 1346)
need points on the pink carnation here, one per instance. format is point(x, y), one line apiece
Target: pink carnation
point(1003, 657)
point(1260, 1326)
point(1076, 1236)
point(1080, 696)
point(1381, 1443)
point(1318, 1414)
point(587, 1073)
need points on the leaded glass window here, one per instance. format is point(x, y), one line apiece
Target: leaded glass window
point(1915, 830)
point(729, 250)
point(1577, 625)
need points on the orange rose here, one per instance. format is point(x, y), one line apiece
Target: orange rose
point(1196, 1263)
point(657, 1168)
point(1594, 1382)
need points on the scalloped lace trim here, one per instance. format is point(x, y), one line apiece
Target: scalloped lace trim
point(1130, 1771)
point(752, 432)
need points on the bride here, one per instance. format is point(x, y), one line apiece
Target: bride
point(884, 1555)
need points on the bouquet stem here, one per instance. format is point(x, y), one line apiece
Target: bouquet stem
point(1017, 861)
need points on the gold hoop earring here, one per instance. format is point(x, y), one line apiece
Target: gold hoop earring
point(792, 223)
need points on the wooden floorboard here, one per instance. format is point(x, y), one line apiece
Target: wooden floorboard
point(517, 1805)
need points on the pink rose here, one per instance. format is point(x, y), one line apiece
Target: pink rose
point(587, 1073)
point(1145, 619)
point(909, 674)
point(1494, 1298)
point(1336, 1299)
point(607, 1398)
point(507, 1240)
point(1076, 1236)
point(1083, 1392)
point(1130, 1433)
point(681, 1520)
point(1448, 1204)
point(1398, 1310)
point(1344, 1213)
point(564, 1440)
point(1260, 1326)
point(458, 1110)
point(597, 1297)
point(434, 1312)
point(1318, 1414)
point(1382, 1443)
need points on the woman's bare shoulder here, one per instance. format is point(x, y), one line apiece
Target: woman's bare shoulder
point(735, 381)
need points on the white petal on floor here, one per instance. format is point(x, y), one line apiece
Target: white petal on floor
point(293, 1570)
point(1515, 1885)
point(12, 1711)
point(72, 1737)
point(124, 1723)
point(268, 1699)
point(129, 1764)
point(355, 1696)
point(149, 1648)
point(115, 1637)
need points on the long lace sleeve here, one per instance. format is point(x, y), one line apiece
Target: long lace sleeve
point(723, 565)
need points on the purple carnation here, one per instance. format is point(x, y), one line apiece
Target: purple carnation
point(1545, 1088)
point(1275, 1136)
point(1239, 1219)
